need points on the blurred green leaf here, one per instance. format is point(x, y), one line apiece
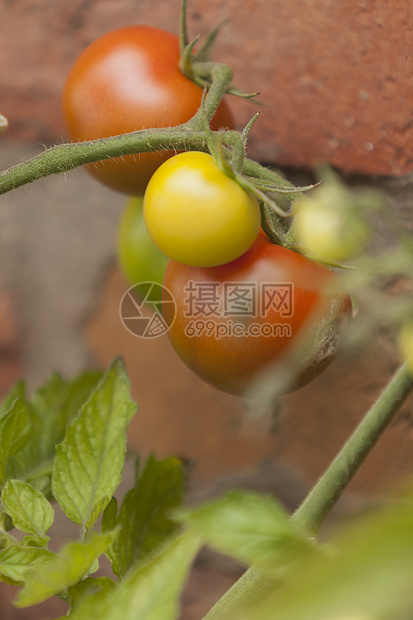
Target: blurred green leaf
point(29, 510)
point(253, 528)
point(89, 461)
point(151, 589)
point(370, 574)
point(89, 587)
point(144, 514)
point(64, 569)
point(16, 560)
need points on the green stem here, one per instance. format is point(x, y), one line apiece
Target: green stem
point(65, 157)
point(221, 76)
point(317, 505)
point(254, 587)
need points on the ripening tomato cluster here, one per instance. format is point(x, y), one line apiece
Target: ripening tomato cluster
point(245, 308)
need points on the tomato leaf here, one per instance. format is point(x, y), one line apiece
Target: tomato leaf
point(53, 406)
point(150, 590)
point(16, 561)
point(144, 514)
point(29, 510)
point(253, 528)
point(64, 569)
point(89, 461)
point(14, 434)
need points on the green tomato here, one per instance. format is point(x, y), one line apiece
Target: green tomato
point(139, 258)
point(328, 226)
point(197, 214)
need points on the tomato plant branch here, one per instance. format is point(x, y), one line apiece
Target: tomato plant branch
point(317, 505)
point(254, 587)
point(66, 157)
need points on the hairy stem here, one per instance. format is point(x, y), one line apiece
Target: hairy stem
point(65, 157)
point(221, 76)
point(254, 587)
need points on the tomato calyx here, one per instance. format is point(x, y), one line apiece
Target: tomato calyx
point(228, 149)
point(196, 65)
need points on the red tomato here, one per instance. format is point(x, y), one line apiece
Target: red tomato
point(270, 310)
point(126, 80)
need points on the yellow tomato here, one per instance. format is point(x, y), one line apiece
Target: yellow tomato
point(197, 215)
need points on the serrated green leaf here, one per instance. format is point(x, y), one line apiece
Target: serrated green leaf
point(64, 569)
point(14, 434)
point(253, 528)
point(144, 514)
point(16, 561)
point(89, 461)
point(18, 390)
point(29, 510)
point(78, 391)
point(150, 591)
point(53, 406)
point(370, 575)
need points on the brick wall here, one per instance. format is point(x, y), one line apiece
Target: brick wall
point(334, 75)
